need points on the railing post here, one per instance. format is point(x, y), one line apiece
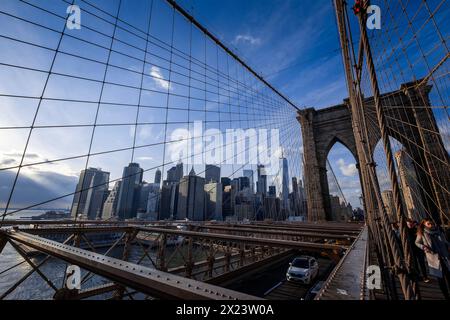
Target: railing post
point(77, 240)
point(211, 259)
point(189, 263)
point(241, 255)
point(227, 258)
point(118, 294)
point(162, 253)
point(253, 254)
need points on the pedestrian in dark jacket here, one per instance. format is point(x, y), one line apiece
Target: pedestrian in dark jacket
point(419, 256)
point(432, 241)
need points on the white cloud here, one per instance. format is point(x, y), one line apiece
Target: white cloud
point(348, 170)
point(13, 158)
point(31, 190)
point(246, 39)
point(145, 132)
point(279, 152)
point(145, 158)
point(289, 32)
point(158, 78)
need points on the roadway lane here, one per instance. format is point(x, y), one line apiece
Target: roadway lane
point(286, 290)
point(271, 282)
point(261, 282)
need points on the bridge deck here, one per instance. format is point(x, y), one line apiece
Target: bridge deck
point(428, 291)
point(140, 278)
point(286, 290)
point(345, 282)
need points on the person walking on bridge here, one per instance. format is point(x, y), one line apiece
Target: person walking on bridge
point(432, 241)
point(419, 256)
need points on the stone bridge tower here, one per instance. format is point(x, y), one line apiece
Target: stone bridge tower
point(321, 129)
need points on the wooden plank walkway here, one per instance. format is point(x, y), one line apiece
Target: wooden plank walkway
point(346, 280)
point(428, 291)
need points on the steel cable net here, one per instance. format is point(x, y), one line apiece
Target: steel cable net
point(335, 188)
point(133, 90)
point(395, 55)
point(410, 54)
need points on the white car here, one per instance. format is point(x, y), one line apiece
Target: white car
point(303, 269)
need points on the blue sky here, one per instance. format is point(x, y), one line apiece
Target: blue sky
point(293, 44)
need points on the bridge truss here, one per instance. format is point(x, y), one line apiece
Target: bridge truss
point(167, 262)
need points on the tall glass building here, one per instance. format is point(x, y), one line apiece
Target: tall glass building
point(129, 192)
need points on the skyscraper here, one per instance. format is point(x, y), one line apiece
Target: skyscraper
point(225, 181)
point(110, 206)
point(158, 176)
point(212, 173)
point(171, 175)
point(165, 199)
point(191, 197)
point(234, 190)
point(261, 184)
point(179, 171)
point(97, 193)
point(236, 183)
point(272, 191)
point(271, 207)
point(81, 191)
point(226, 202)
point(251, 181)
point(174, 193)
point(168, 205)
point(245, 204)
point(259, 206)
point(335, 205)
point(213, 201)
point(175, 174)
point(244, 182)
point(339, 210)
point(410, 188)
point(146, 190)
point(90, 193)
point(129, 191)
point(303, 200)
point(388, 200)
point(285, 186)
point(295, 197)
point(244, 211)
point(153, 201)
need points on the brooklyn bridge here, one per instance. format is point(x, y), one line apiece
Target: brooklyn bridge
point(100, 98)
